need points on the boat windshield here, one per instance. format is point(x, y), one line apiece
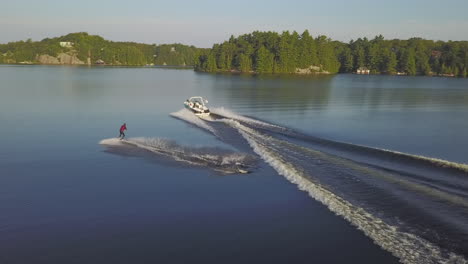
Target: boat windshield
point(197, 100)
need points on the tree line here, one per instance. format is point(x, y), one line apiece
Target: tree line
point(271, 52)
point(262, 52)
point(97, 48)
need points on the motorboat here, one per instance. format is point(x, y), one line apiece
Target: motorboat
point(197, 105)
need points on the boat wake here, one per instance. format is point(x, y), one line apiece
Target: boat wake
point(186, 115)
point(220, 160)
point(412, 206)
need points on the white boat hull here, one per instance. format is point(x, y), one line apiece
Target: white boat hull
point(197, 106)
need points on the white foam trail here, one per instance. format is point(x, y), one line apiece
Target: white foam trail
point(214, 158)
point(111, 142)
point(190, 117)
point(407, 247)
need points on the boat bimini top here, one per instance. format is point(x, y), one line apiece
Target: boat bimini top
point(197, 105)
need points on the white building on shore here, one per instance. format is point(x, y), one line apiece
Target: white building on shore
point(363, 70)
point(66, 44)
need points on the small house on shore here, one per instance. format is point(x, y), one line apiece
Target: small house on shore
point(362, 70)
point(100, 62)
point(66, 44)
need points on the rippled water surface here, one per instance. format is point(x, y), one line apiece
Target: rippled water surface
point(319, 169)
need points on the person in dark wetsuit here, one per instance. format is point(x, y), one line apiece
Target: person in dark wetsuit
point(122, 129)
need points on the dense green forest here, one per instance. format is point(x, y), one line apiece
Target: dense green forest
point(261, 52)
point(271, 52)
point(97, 49)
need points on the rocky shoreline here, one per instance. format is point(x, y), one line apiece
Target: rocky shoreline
point(62, 58)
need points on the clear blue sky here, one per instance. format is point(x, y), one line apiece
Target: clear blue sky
point(205, 22)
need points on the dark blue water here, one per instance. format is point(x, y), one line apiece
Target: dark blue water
point(66, 198)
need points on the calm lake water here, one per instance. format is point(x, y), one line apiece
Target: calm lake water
point(321, 188)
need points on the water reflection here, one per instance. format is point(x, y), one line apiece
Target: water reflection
point(331, 92)
point(272, 92)
point(398, 93)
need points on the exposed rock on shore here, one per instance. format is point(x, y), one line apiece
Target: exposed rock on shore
point(311, 70)
point(47, 59)
point(62, 58)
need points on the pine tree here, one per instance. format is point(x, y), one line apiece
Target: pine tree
point(411, 65)
point(286, 58)
point(408, 62)
point(264, 63)
point(326, 55)
point(245, 63)
point(211, 63)
point(346, 60)
point(287, 51)
point(360, 58)
point(307, 51)
point(390, 63)
point(372, 59)
point(422, 63)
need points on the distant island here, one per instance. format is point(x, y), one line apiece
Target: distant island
point(271, 52)
point(257, 53)
point(84, 49)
